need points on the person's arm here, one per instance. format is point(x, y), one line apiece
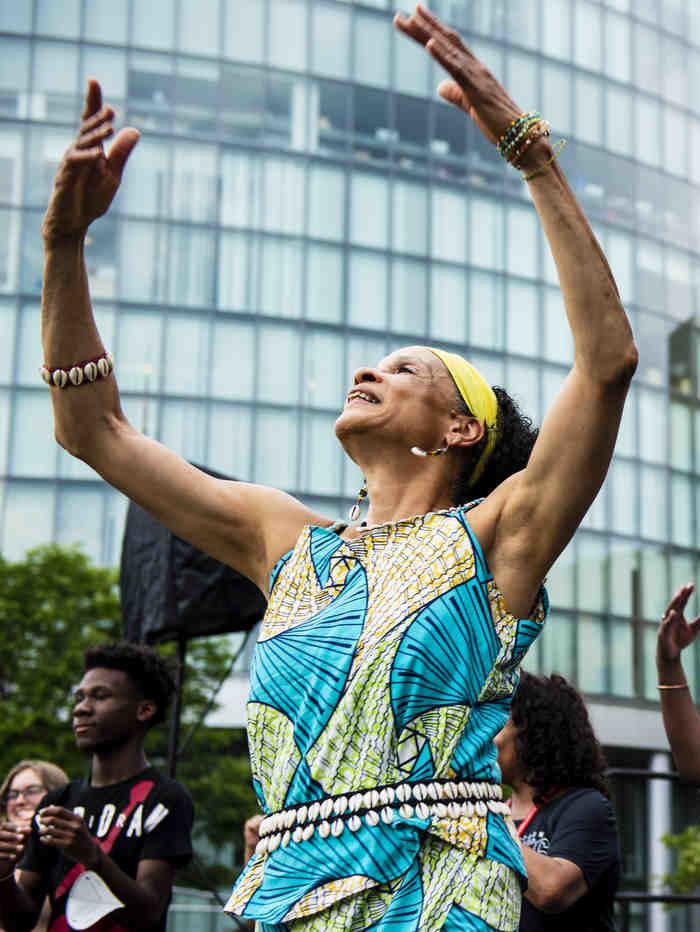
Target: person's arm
point(553, 884)
point(680, 713)
point(246, 526)
point(530, 518)
point(145, 897)
point(21, 893)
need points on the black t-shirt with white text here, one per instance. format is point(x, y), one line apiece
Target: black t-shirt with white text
point(148, 816)
point(579, 827)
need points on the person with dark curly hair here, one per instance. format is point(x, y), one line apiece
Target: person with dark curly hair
point(390, 647)
point(551, 759)
point(104, 848)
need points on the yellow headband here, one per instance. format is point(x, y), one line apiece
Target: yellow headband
point(479, 397)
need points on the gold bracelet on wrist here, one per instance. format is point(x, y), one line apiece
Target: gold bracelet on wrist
point(672, 686)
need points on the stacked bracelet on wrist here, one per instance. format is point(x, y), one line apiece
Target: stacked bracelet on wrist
point(90, 371)
point(521, 133)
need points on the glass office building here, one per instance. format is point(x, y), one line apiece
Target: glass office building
point(301, 202)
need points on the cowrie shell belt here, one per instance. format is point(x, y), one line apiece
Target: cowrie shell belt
point(443, 799)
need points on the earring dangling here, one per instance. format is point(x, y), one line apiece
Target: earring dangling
point(354, 512)
point(418, 452)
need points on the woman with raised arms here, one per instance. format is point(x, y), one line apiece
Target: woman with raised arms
point(390, 649)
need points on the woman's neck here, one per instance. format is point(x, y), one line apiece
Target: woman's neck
point(394, 495)
point(522, 800)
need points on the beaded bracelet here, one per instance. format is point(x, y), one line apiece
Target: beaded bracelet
point(542, 129)
point(543, 168)
point(525, 130)
point(511, 133)
point(90, 371)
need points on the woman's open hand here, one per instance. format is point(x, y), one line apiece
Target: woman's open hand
point(473, 88)
point(675, 633)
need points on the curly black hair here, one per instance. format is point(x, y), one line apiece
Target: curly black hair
point(555, 743)
point(515, 438)
point(149, 671)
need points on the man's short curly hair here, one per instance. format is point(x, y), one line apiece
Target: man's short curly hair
point(149, 671)
point(515, 438)
point(555, 743)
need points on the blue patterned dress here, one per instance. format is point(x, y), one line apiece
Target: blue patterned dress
point(386, 659)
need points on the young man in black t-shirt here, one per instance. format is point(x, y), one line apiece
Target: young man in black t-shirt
point(104, 850)
point(551, 759)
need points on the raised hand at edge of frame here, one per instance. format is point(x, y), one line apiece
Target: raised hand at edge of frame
point(675, 633)
point(87, 179)
point(473, 89)
point(13, 840)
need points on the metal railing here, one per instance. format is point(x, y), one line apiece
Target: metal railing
point(625, 899)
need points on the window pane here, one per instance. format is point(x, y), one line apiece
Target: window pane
point(241, 190)
point(284, 195)
point(557, 647)
point(58, 19)
point(326, 202)
point(654, 503)
point(229, 440)
point(244, 44)
point(29, 518)
point(486, 233)
point(7, 341)
point(593, 654)
point(522, 325)
point(623, 564)
point(522, 238)
point(187, 352)
point(368, 210)
point(323, 371)
point(624, 480)
point(287, 39)
point(29, 353)
point(233, 358)
point(194, 187)
point(410, 226)
point(449, 225)
point(138, 351)
point(191, 274)
point(154, 24)
point(324, 290)
point(622, 668)
point(281, 279)
point(556, 97)
point(654, 583)
point(588, 36)
point(368, 290)
point(591, 572)
point(105, 21)
point(411, 66)
point(448, 303)
point(681, 436)
point(142, 248)
point(16, 17)
point(556, 28)
point(619, 136)
point(279, 382)
point(321, 455)
point(617, 47)
point(55, 70)
point(239, 272)
point(80, 520)
point(371, 49)
point(561, 579)
point(330, 41)
point(589, 110)
point(29, 455)
point(144, 190)
point(682, 511)
point(408, 294)
point(276, 441)
point(199, 26)
point(486, 310)
point(653, 425)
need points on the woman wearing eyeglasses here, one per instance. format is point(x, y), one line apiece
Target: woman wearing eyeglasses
point(20, 794)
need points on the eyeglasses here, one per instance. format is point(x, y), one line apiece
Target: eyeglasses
point(28, 792)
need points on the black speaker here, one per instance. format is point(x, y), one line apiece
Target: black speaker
point(170, 590)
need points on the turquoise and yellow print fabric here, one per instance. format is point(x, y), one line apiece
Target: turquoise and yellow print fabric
point(386, 658)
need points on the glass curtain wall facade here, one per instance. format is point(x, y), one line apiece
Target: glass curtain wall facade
point(301, 202)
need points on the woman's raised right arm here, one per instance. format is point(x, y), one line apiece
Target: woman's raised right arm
point(246, 526)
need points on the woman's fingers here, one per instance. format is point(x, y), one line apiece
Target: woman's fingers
point(94, 137)
point(93, 98)
point(411, 28)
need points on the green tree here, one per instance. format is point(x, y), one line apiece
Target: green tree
point(686, 877)
point(54, 604)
